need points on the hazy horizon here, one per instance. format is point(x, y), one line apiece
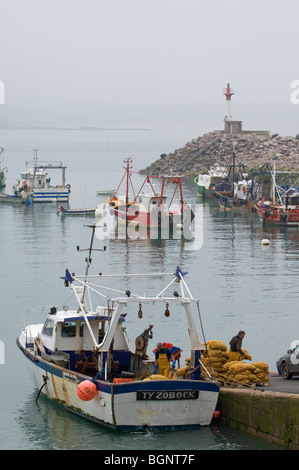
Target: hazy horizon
point(149, 63)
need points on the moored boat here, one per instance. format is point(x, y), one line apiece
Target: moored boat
point(283, 212)
point(63, 211)
point(21, 198)
point(81, 358)
point(205, 182)
point(105, 192)
point(283, 209)
point(36, 179)
point(150, 209)
point(242, 194)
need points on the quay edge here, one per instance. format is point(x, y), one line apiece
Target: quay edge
point(273, 416)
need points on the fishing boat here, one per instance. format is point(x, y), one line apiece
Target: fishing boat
point(240, 194)
point(81, 357)
point(236, 190)
point(284, 211)
point(36, 179)
point(150, 209)
point(63, 211)
point(23, 197)
point(205, 182)
point(283, 208)
point(105, 192)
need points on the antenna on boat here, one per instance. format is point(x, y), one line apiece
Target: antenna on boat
point(35, 156)
point(88, 259)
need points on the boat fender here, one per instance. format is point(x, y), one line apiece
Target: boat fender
point(86, 390)
point(216, 414)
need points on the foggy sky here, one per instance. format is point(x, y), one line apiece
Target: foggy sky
point(149, 63)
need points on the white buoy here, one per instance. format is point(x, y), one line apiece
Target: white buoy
point(265, 241)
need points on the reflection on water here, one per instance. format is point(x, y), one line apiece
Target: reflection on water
point(49, 426)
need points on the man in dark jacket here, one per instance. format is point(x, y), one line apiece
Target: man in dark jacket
point(236, 353)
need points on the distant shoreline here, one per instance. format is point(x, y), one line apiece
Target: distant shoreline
point(91, 128)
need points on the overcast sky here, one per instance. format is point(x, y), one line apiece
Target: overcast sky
point(149, 63)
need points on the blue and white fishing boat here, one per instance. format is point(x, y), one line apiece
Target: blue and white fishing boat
point(81, 358)
point(36, 179)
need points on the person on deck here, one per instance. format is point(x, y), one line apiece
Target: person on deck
point(235, 352)
point(163, 357)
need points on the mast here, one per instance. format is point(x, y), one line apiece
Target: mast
point(233, 176)
point(127, 161)
point(89, 259)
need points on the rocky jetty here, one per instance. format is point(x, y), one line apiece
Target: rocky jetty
point(252, 149)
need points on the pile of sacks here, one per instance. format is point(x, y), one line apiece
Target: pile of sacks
point(255, 373)
point(214, 358)
point(217, 364)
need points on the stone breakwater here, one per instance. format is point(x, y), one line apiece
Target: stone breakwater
point(252, 149)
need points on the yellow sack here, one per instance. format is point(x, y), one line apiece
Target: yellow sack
point(239, 367)
point(218, 353)
point(262, 376)
point(213, 360)
point(182, 371)
point(157, 377)
point(247, 377)
point(261, 365)
point(249, 357)
point(229, 364)
point(216, 344)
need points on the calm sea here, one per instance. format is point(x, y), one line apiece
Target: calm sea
point(240, 283)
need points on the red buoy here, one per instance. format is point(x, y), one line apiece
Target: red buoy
point(86, 390)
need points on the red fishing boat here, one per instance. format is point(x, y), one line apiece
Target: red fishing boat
point(150, 209)
point(284, 212)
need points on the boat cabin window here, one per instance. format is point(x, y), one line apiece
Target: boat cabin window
point(48, 327)
point(291, 200)
point(68, 329)
point(81, 326)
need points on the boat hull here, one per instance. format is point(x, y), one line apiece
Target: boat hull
point(202, 190)
point(78, 212)
point(47, 195)
point(161, 219)
point(129, 406)
point(11, 199)
point(277, 216)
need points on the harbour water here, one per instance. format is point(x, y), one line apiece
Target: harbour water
point(240, 283)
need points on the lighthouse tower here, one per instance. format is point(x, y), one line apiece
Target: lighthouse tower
point(228, 92)
point(230, 127)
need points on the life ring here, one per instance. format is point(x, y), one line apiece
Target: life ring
point(297, 208)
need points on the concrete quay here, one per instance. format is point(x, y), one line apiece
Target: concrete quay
point(271, 412)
